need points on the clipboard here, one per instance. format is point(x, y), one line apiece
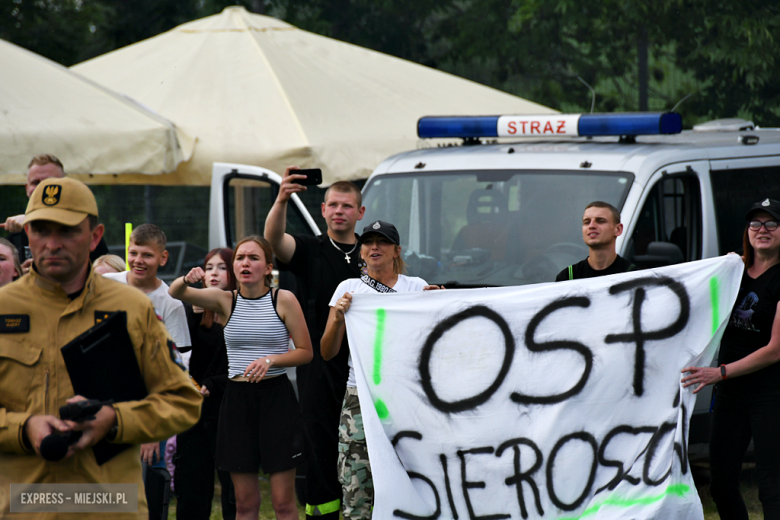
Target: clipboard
point(102, 365)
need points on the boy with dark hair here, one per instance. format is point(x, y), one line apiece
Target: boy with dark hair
point(600, 228)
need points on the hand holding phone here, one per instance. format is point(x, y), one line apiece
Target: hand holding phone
point(313, 177)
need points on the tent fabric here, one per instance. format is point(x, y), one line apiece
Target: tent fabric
point(256, 90)
point(47, 108)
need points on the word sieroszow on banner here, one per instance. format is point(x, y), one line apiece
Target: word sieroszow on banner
point(546, 401)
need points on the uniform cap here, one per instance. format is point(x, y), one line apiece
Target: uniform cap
point(383, 228)
point(62, 200)
point(770, 206)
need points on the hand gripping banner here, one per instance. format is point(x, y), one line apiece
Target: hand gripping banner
point(557, 401)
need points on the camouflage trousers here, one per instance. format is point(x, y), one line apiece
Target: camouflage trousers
point(354, 467)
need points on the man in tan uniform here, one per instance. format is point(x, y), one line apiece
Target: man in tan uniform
point(40, 313)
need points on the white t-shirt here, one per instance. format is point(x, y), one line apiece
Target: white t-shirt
point(170, 311)
point(356, 285)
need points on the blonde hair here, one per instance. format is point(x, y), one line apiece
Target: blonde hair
point(15, 254)
point(113, 261)
point(399, 266)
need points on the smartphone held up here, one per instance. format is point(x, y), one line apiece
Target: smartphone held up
point(313, 176)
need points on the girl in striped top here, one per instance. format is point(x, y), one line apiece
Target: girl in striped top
point(259, 424)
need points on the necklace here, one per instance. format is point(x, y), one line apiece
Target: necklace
point(346, 255)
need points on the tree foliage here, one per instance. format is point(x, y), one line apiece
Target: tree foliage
point(724, 53)
point(57, 29)
point(732, 48)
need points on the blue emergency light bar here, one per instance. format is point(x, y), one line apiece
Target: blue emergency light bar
point(557, 125)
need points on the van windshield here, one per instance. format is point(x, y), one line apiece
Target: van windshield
point(493, 227)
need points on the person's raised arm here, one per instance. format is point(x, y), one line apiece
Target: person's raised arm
point(291, 314)
point(761, 358)
point(211, 298)
point(330, 344)
point(282, 243)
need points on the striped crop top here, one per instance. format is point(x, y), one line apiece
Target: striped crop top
point(255, 331)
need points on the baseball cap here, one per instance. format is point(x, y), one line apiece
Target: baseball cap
point(62, 200)
point(383, 228)
point(770, 206)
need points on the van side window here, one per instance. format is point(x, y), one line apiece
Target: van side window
point(668, 230)
point(248, 201)
point(734, 191)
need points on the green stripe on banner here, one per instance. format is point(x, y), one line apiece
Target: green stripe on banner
point(715, 303)
point(323, 509)
point(675, 489)
point(381, 409)
point(380, 332)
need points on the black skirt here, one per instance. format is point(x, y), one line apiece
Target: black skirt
point(260, 425)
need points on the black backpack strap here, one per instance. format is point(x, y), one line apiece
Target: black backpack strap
point(274, 296)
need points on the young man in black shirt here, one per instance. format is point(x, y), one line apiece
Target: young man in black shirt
point(600, 228)
point(320, 264)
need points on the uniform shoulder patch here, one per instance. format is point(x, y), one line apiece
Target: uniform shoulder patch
point(176, 355)
point(14, 323)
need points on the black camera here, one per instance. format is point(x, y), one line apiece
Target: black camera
point(81, 411)
point(55, 446)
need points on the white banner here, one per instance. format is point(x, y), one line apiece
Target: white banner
point(557, 401)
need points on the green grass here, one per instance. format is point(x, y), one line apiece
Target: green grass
point(266, 511)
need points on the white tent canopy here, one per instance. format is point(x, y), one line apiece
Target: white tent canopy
point(47, 108)
point(256, 90)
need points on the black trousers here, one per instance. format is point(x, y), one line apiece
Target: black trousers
point(734, 423)
point(194, 474)
point(321, 387)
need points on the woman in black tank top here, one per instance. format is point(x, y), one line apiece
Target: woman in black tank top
point(259, 425)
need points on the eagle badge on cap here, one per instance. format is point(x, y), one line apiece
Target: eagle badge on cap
point(51, 195)
point(376, 225)
point(766, 203)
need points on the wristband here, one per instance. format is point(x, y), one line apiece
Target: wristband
point(723, 372)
